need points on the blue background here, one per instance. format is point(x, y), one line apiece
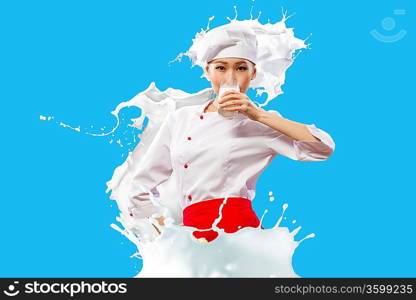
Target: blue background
point(76, 60)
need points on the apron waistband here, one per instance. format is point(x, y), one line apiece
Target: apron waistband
point(237, 213)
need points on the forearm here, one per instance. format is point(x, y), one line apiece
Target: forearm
point(295, 130)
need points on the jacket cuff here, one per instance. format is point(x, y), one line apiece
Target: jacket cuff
point(317, 150)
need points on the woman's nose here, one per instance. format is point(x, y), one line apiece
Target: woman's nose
point(230, 77)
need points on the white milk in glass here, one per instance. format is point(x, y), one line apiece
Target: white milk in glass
point(224, 88)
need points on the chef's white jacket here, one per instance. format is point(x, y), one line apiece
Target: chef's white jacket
point(211, 157)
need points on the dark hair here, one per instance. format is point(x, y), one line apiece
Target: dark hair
point(241, 58)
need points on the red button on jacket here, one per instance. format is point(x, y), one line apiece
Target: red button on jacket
point(185, 166)
point(201, 117)
point(189, 138)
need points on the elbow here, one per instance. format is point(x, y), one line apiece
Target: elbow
point(325, 154)
point(321, 153)
point(320, 149)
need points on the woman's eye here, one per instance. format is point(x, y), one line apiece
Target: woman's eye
point(239, 68)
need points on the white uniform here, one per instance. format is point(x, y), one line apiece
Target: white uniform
point(209, 156)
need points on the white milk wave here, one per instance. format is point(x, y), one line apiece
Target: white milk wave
point(249, 252)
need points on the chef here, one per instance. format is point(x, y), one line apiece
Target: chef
point(217, 160)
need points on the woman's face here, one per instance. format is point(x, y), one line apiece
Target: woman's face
point(227, 70)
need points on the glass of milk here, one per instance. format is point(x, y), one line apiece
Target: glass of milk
point(223, 88)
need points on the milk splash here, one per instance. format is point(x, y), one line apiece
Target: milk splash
point(249, 252)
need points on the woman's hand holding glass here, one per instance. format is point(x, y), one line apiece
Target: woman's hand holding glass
point(240, 102)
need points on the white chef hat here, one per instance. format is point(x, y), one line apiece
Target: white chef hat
point(269, 46)
point(230, 40)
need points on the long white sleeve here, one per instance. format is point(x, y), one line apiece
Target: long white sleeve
point(282, 144)
point(154, 169)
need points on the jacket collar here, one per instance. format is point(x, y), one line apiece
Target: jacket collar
point(201, 108)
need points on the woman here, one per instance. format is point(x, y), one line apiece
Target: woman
point(216, 161)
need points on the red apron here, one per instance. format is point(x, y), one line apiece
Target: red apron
point(237, 213)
